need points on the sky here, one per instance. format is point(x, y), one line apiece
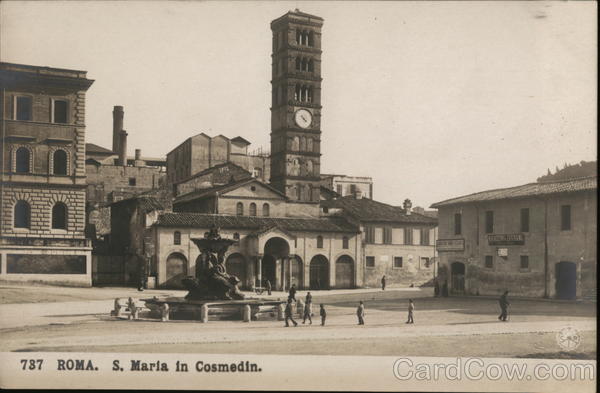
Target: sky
point(433, 100)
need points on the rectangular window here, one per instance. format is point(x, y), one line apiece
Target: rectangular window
point(525, 220)
point(378, 235)
point(457, 223)
point(398, 262)
point(424, 236)
point(489, 221)
point(524, 261)
point(369, 235)
point(132, 181)
point(23, 108)
point(565, 217)
point(408, 238)
point(489, 261)
point(387, 235)
point(370, 261)
point(59, 111)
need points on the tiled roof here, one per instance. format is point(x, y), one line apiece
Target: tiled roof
point(214, 169)
point(527, 190)
point(93, 148)
point(365, 209)
point(203, 193)
point(199, 220)
point(241, 140)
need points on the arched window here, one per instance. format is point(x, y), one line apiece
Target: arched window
point(59, 216)
point(22, 158)
point(299, 191)
point(309, 94)
point(304, 64)
point(319, 241)
point(311, 65)
point(297, 92)
point(253, 209)
point(311, 39)
point(298, 62)
point(295, 143)
point(177, 238)
point(239, 209)
point(22, 214)
point(303, 143)
point(309, 144)
point(345, 242)
point(60, 162)
point(298, 36)
point(266, 210)
point(309, 167)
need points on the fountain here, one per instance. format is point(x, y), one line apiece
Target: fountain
point(212, 290)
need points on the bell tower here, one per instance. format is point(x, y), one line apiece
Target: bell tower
point(296, 106)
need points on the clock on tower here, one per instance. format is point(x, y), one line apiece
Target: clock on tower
point(296, 106)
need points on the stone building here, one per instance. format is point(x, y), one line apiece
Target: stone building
point(395, 242)
point(349, 185)
point(43, 175)
point(201, 152)
point(112, 175)
point(537, 240)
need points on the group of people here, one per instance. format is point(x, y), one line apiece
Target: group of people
point(360, 310)
point(306, 313)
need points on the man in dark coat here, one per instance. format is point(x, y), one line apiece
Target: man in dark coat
point(503, 306)
point(360, 313)
point(323, 314)
point(383, 283)
point(268, 286)
point(289, 314)
point(292, 293)
point(411, 308)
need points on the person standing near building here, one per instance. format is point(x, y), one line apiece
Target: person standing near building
point(383, 283)
point(289, 314)
point(268, 286)
point(504, 306)
point(360, 313)
point(306, 314)
point(411, 308)
point(323, 314)
point(292, 292)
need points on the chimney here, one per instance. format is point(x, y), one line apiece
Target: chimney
point(407, 206)
point(138, 158)
point(123, 148)
point(117, 127)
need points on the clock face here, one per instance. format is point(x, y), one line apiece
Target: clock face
point(303, 118)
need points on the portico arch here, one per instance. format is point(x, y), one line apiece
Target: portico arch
point(344, 272)
point(275, 251)
point(319, 272)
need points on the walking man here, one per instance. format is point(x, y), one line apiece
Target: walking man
point(323, 314)
point(383, 283)
point(268, 286)
point(411, 308)
point(504, 307)
point(292, 292)
point(288, 314)
point(307, 309)
point(360, 313)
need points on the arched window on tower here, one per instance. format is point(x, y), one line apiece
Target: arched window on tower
point(303, 94)
point(311, 65)
point(295, 143)
point(309, 144)
point(59, 216)
point(297, 92)
point(59, 160)
point(298, 64)
point(303, 143)
point(299, 192)
point(22, 214)
point(239, 209)
point(309, 167)
point(304, 64)
point(311, 39)
point(309, 94)
point(252, 209)
point(22, 158)
point(266, 210)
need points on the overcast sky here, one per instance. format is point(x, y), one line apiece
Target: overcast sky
point(432, 100)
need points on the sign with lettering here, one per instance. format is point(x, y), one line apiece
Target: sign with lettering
point(510, 239)
point(450, 244)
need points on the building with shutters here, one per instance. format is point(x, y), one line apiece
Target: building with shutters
point(537, 239)
point(43, 175)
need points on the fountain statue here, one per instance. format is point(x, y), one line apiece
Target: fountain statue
point(212, 281)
